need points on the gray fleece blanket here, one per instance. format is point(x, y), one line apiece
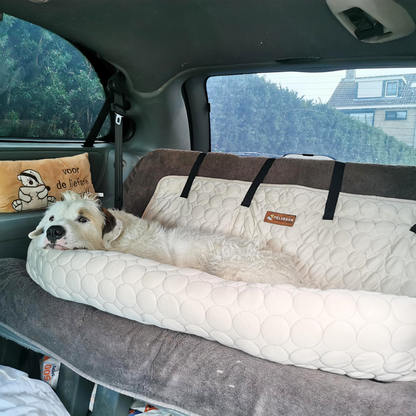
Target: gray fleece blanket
point(189, 373)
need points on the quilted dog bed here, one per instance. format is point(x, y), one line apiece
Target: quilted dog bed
point(331, 324)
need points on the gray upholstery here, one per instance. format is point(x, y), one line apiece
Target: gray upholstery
point(190, 373)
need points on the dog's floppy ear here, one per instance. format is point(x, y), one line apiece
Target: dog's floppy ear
point(35, 233)
point(112, 227)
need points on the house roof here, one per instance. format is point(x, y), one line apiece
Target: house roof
point(345, 95)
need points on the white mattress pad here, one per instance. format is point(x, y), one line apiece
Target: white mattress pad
point(331, 324)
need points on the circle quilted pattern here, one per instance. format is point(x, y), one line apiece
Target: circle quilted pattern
point(331, 324)
point(362, 334)
point(369, 235)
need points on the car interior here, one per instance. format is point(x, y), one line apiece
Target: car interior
point(237, 118)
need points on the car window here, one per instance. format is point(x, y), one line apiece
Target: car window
point(48, 89)
point(352, 116)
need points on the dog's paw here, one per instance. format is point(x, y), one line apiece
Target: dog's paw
point(17, 205)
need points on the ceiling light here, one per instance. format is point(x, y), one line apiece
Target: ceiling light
point(373, 21)
point(39, 1)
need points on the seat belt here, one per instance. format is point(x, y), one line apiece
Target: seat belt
point(119, 114)
point(116, 103)
point(105, 110)
point(118, 107)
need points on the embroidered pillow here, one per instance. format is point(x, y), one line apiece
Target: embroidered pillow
point(28, 185)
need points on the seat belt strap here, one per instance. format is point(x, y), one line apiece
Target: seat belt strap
point(334, 190)
point(92, 135)
point(257, 181)
point(119, 114)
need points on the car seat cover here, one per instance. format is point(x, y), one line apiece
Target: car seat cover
point(368, 245)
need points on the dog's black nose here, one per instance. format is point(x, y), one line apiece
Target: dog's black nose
point(55, 232)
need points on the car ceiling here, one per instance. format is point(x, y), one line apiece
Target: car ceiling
point(154, 40)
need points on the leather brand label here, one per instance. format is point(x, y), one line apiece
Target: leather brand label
point(280, 219)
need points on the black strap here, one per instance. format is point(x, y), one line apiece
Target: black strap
point(92, 135)
point(119, 113)
point(413, 229)
point(192, 174)
point(334, 190)
point(257, 181)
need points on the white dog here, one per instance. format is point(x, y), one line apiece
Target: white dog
point(79, 222)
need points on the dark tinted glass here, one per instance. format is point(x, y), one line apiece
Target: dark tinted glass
point(47, 87)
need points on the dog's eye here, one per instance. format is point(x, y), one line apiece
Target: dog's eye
point(51, 218)
point(82, 219)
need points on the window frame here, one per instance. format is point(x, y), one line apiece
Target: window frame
point(395, 118)
point(367, 97)
point(366, 111)
point(387, 87)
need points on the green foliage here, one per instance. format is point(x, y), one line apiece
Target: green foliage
point(251, 114)
point(47, 87)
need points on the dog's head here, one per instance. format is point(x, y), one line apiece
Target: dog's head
point(77, 222)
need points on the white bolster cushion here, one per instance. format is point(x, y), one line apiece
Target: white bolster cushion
point(358, 333)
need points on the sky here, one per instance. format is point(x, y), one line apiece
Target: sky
point(320, 86)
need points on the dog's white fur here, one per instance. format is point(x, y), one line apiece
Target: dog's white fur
point(230, 258)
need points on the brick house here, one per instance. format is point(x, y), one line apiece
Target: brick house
point(387, 102)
